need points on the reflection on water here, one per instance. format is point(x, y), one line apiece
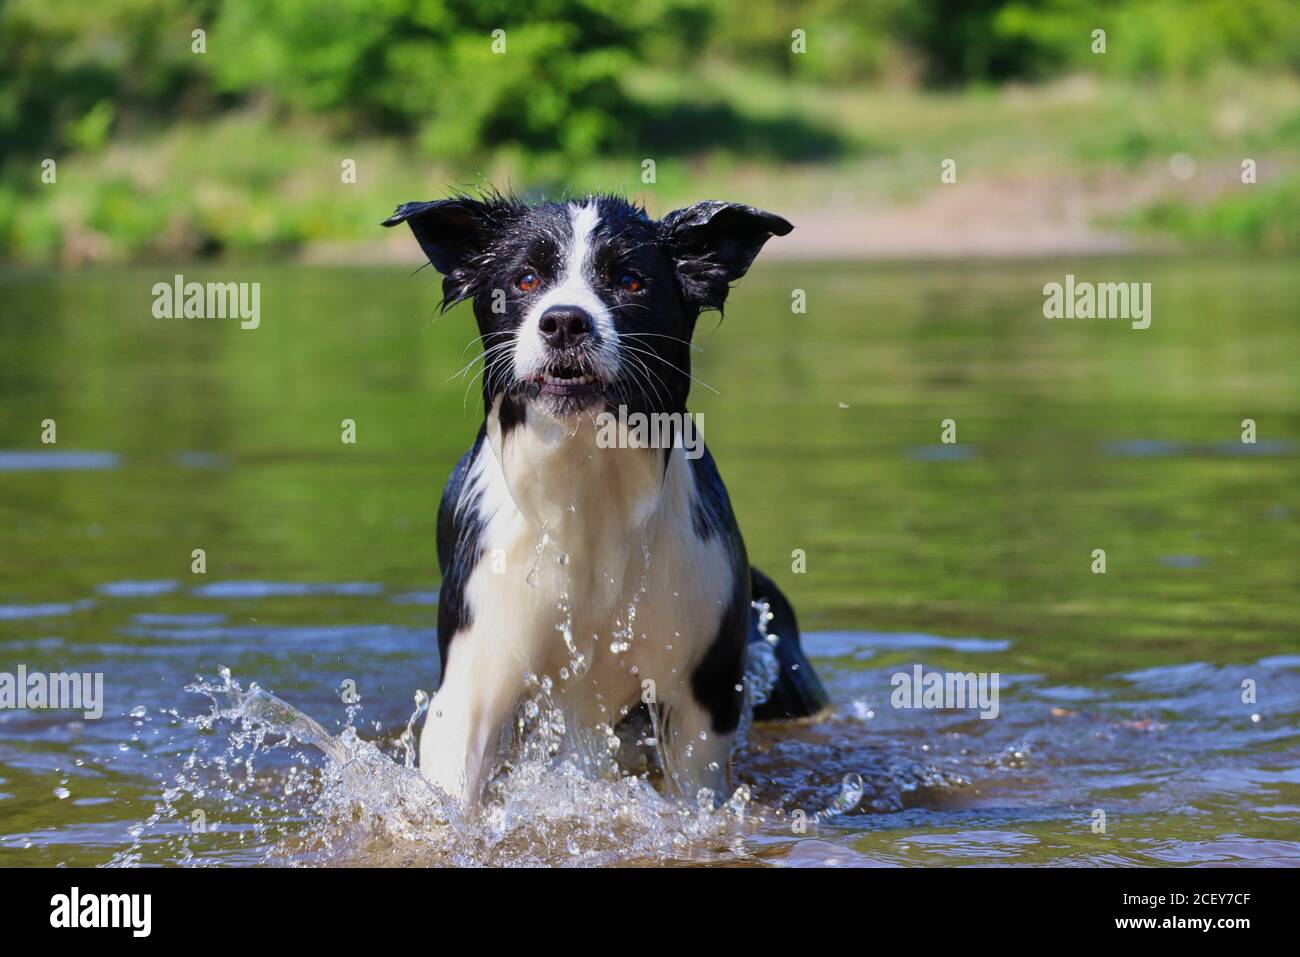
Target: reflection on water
point(1164, 693)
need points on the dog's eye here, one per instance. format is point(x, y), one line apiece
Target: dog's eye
point(629, 282)
point(528, 282)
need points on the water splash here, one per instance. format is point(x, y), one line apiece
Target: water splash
point(577, 660)
point(849, 797)
point(762, 671)
point(316, 797)
point(624, 632)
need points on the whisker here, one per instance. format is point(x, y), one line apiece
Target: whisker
point(660, 335)
point(671, 366)
point(480, 357)
point(632, 370)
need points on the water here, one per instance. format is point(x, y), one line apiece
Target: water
point(1120, 693)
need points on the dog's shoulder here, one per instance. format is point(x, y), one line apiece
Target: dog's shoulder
point(451, 495)
point(460, 529)
point(711, 512)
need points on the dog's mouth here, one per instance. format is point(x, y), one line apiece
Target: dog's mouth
point(570, 381)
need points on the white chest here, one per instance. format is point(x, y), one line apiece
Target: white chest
point(592, 572)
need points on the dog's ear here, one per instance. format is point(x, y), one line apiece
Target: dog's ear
point(713, 243)
point(450, 231)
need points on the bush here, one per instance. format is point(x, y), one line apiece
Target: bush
point(1254, 218)
point(428, 67)
point(1183, 38)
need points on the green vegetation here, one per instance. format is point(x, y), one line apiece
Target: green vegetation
point(163, 151)
point(1268, 220)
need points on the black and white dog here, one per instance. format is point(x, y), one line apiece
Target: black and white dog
point(616, 570)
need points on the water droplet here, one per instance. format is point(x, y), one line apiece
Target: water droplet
point(850, 794)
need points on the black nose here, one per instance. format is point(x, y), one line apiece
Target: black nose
point(563, 327)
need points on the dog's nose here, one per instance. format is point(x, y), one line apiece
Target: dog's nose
point(563, 327)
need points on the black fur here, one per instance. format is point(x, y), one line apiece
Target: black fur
point(683, 264)
point(711, 509)
point(460, 527)
point(716, 678)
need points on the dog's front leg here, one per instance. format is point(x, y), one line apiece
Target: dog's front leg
point(696, 756)
point(478, 697)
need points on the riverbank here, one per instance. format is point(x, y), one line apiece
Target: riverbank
point(1077, 166)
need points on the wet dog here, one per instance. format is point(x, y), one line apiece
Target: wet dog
point(614, 568)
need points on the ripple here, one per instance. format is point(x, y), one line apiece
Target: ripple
point(1281, 661)
point(263, 589)
point(203, 460)
point(415, 598)
point(1143, 448)
point(1160, 448)
point(136, 589)
point(864, 644)
point(13, 612)
point(351, 638)
point(942, 453)
point(49, 461)
point(163, 621)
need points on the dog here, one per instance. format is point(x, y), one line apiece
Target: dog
point(616, 571)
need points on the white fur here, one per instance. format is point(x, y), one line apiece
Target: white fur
point(573, 289)
point(574, 524)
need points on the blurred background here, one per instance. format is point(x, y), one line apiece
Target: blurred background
point(163, 151)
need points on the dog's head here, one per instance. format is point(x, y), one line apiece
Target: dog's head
point(587, 302)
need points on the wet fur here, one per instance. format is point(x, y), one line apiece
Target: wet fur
point(539, 526)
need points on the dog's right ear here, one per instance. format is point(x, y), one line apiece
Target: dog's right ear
point(450, 231)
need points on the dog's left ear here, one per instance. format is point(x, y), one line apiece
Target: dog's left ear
point(713, 243)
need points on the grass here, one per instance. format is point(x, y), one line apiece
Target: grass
point(255, 183)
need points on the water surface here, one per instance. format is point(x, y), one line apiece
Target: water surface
point(1121, 692)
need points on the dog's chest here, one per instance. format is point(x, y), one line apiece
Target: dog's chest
point(592, 571)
